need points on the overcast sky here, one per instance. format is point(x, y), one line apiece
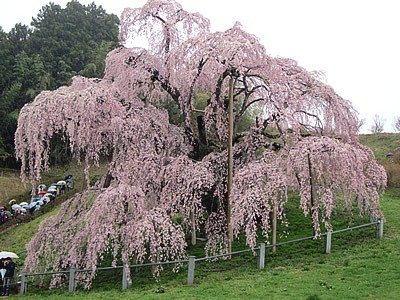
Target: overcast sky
point(354, 42)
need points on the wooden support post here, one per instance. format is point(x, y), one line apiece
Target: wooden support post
point(379, 229)
point(191, 266)
point(193, 228)
point(261, 257)
point(71, 283)
point(371, 218)
point(22, 290)
point(328, 242)
point(230, 168)
point(274, 216)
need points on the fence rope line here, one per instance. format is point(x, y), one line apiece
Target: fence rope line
point(192, 260)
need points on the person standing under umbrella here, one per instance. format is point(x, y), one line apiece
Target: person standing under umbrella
point(2, 272)
point(8, 276)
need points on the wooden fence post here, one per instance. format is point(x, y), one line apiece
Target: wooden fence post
point(191, 266)
point(71, 283)
point(22, 290)
point(328, 242)
point(379, 229)
point(261, 257)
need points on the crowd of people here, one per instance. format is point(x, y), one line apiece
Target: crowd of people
point(39, 197)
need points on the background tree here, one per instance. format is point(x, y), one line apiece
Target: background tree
point(70, 39)
point(361, 123)
point(63, 42)
point(378, 124)
point(304, 129)
point(396, 124)
point(11, 92)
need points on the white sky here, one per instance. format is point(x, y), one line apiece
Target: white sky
point(354, 42)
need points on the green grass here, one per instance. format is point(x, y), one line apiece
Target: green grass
point(10, 184)
point(359, 267)
point(382, 143)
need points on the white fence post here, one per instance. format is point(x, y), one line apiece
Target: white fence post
point(261, 257)
point(379, 229)
point(191, 266)
point(71, 283)
point(22, 290)
point(328, 242)
point(125, 283)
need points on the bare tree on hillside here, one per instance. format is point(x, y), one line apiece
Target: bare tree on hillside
point(361, 123)
point(377, 124)
point(396, 124)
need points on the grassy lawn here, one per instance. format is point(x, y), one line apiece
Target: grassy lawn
point(359, 267)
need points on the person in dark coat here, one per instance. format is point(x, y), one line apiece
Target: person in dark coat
point(8, 276)
point(2, 269)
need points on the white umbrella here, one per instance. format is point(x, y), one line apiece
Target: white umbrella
point(46, 199)
point(52, 189)
point(39, 203)
point(5, 254)
point(15, 206)
point(24, 204)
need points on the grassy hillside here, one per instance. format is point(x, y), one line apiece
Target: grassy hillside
point(382, 143)
point(11, 186)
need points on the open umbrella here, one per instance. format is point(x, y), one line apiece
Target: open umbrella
point(46, 199)
point(15, 206)
point(52, 188)
point(5, 254)
point(24, 204)
point(39, 203)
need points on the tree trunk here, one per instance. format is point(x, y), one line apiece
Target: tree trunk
point(107, 180)
point(274, 227)
point(202, 130)
point(193, 229)
point(311, 181)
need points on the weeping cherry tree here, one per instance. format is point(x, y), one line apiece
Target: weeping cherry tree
point(303, 139)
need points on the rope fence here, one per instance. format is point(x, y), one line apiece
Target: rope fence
point(191, 261)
